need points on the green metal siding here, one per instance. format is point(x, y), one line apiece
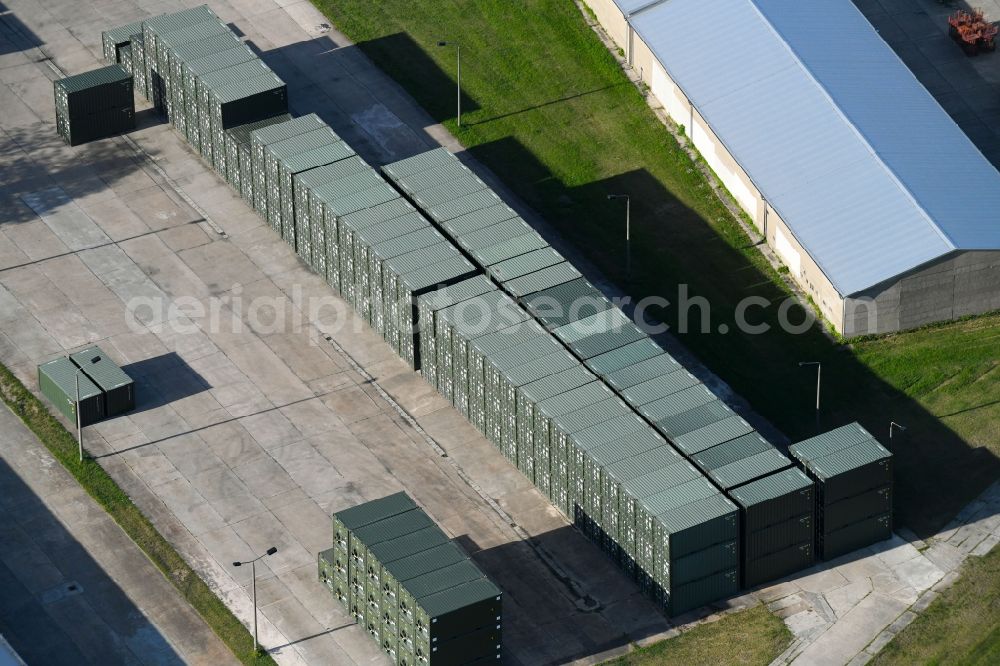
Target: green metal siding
point(118, 387)
point(57, 382)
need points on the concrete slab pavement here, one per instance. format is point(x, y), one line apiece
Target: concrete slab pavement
point(74, 588)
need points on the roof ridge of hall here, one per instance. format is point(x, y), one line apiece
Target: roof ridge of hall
point(847, 119)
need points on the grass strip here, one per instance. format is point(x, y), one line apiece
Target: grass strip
point(749, 638)
point(959, 627)
point(99, 485)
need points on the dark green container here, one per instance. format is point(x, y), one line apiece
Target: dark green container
point(370, 512)
point(779, 564)
point(696, 594)
point(623, 357)
point(566, 303)
point(870, 503)
point(326, 567)
point(118, 387)
point(641, 371)
point(857, 535)
point(458, 610)
point(57, 382)
point(114, 39)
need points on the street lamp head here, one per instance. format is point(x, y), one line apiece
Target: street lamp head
point(237, 564)
point(442, 43)
point(617, 196)
point(272, 550)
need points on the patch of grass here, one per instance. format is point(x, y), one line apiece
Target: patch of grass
point(962, 626)
point(548, 109)
point(99, 485)
point(749, 638)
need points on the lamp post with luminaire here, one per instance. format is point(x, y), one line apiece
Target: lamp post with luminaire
point(253, 576)
point(458, 92)
point(819, 373)
point(79, 419)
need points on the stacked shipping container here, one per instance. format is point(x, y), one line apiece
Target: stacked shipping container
point(628, 444)
point(199, 74)
point(493, 355)
point(854, 475)
point(95, 104)
point(104, 389)
point(415, 592)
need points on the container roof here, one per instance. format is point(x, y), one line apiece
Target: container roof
point(772, 486)
point(375, 510)
point(851, 151)
point(830, 442)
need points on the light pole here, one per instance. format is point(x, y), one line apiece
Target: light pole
point(253, 576)
point(628, 229)
point(819, 373)
point(893, 425)
point(79, 420)
point(458, 93)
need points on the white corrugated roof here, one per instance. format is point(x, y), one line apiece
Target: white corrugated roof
point(629, 7)
point(870, 174)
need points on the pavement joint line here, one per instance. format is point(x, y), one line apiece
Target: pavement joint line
point(71, 253)
point(231, 419)
point(572, 585)
point(129, 141)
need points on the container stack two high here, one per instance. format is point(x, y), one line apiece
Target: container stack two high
point(411, 587)
point(680, 491)
point(104, 388)
point(854, 475)
point(209, 84)
point(94, 105)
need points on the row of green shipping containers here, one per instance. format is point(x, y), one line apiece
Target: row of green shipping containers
point(853, 474)
point(630, 374)
point(94, 104)
point(416, 593)
point(678, 489)
point(104, 389)
point(201, 76)
point(600, 463)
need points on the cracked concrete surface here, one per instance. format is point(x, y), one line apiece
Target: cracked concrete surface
point(846, 610)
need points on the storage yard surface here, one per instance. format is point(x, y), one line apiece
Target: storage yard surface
point(74, 589)
point(247, 439)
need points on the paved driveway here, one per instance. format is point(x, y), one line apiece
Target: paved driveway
point(74, 588)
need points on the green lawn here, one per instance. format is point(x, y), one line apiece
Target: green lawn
point(550, 112)
point(750, 638)
point(99, 485)
point(962, 626)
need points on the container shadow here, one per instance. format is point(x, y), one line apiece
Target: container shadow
point(566, 605)
point(700, 279)
point(340, 85)
point(57, 604)
point(163, 379)
point(15, 36)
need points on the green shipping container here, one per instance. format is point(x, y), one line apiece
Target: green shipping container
point(260, 139)
point(118, 387)
point(57, 380)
